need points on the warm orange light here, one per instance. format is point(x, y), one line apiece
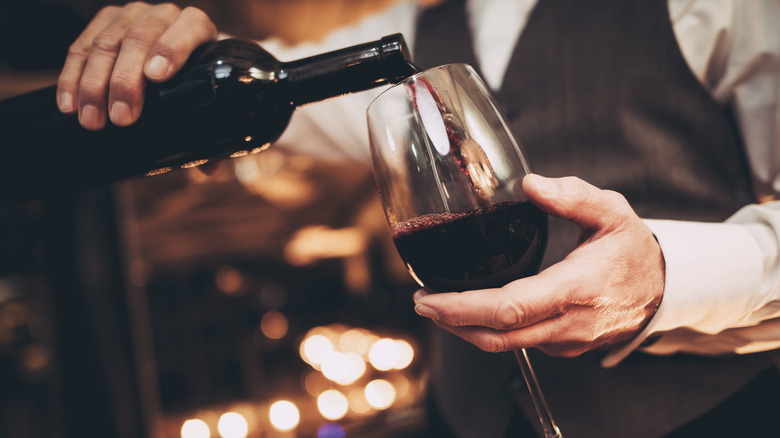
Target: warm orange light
point(284, 415)
point(332, 404)
point(315, 383)
point(384, 354)
point(315, 349)
point(380, 394)
point(195, 428)
point(401, 385)
point(229, 280)
point(274, 325)
point(232, 425)
point(343, 368)
point(260, 149)
point(405, 356)
point(159, 171)
point(355, 341)
point(358, 402)
point(194, 163)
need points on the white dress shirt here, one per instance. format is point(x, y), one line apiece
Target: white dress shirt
point(722, 290)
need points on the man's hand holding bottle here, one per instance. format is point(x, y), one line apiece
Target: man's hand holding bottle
point(106, 69)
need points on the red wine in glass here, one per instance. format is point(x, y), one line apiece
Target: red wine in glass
point(478, 249)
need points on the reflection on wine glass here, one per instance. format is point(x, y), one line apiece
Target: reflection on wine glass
point(450, 176)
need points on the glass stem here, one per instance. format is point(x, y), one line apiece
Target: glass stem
point(545, 416)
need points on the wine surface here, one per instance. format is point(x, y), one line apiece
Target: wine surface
point(483, 248)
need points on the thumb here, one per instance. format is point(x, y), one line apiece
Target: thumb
point(575, 200)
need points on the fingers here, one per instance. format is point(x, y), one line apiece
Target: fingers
point(549, 335)
point(103, 54)
point(70, 76)
point(103, 75)
point(519, 304)
point(126, 83)
point(575, 200)
point(191, 29)
point(564, 335)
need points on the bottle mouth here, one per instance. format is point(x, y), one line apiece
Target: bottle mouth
point(394, 50)
point(395, 45)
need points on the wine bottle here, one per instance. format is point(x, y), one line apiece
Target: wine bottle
point(232, 98)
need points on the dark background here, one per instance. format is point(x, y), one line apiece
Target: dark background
point(115, 319)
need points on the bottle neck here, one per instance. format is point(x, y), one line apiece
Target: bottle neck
point(348, 70)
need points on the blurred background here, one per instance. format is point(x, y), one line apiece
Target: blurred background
point(263, 300)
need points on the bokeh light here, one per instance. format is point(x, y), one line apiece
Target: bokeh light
point(274, 325)
point(335, 366)
point(232, 425)
point(401, 385)
point(195, 428)
point(343, 368)
point(384, 354)
point(229, 280)
point(354, 341)
point(315, 349)
point(405, 356)
point(284, 415)
point(380, 394)
point(315, 383)
point(332, 404)
point(357, 401)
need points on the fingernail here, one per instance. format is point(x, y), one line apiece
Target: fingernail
point(419, 294)
point(90, 117)
point(120, 113)
point(545, 185)
point(426, 311)
point(157, 67)
point(66, 103)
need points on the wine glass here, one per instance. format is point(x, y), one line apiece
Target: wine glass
point(450, 176)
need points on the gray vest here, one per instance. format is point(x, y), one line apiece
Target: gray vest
point(600, 90)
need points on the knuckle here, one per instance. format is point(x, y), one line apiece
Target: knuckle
point(492, 345)
point(169, 8)
point(579, 340)
point(198, 18)
point(138, 36)
point(79, 48)
point(90, 90)
point(66, 82)
point(555, 333)
point(507, 316)
point(169, 48)
point(107, 11)
point(619, 205)
point(134, 6)
point(449, 317)
point(107, 44)
point(124, 86)
point(615, 198)
point(572, 180)
point(571, 352)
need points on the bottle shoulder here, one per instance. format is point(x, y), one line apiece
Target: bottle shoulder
point(240, 58)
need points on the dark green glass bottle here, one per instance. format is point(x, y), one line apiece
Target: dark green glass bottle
point(232, 98)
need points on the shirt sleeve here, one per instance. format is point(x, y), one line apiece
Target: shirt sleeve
point(722, 292)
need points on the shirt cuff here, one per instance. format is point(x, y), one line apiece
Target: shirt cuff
point(710, 270)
